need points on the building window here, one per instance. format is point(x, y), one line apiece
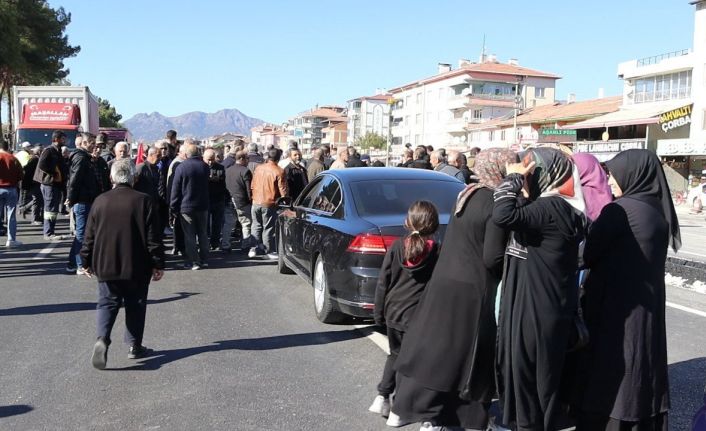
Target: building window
point(419, 98)
point(441, 93)
point(418, 119)
point(502, 135)
point(662, 87)
point(407, 100)
point(416, 139)
point(406, 120)
point(477, 114)
point(491, 136)
point(539, 92)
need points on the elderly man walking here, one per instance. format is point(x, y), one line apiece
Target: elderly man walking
point(123, 248)
point(81, 191)
point(189, 198)
point(268, 185)
point(48, 175)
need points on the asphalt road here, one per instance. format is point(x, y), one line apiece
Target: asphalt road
point(693, 233)
point(237, 347)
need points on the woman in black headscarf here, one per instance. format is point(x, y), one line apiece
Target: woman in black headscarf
point(624, 370)
point(445, 369)
point(539, 294)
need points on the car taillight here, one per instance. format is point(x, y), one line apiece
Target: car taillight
point(371, 243)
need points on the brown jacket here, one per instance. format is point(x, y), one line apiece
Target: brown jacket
point(268, 184)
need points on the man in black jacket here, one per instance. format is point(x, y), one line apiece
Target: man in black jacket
point(189, 199)
point(35, 202)
point(48, 175)
point(216, 197)
point(147, 180)
point(123, 248)
point(354, 159)
point(81, 191)
point(254, 157)
point(238, 182)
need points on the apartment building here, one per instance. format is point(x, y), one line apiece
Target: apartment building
point(436, 110)
point(369, 114)
point(307, 127)
point(663, 105)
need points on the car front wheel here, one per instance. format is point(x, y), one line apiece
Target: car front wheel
point(281, 266)
point(323, 305)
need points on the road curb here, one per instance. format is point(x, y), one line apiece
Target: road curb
point(690, 270)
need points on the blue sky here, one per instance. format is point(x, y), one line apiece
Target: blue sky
point(273, 58)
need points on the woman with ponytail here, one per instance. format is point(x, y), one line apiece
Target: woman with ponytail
point(407, 267)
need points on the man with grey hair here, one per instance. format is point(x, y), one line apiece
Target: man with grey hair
point(316, 164)
point(438, 162)
point(123, 249)
point(458, 160)
point(190, 199)
point(122, 151)
point(147, 180)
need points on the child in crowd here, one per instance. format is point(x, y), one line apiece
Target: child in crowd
point(405, 271)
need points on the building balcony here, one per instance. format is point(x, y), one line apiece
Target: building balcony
point(456, 102)
point(496, 100)
point(456, 125)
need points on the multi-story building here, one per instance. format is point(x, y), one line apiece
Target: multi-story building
point(436, 110)
point(539, 125)
point(335, 133)
point(664, 98)
point(307, 127)
point(369, 114)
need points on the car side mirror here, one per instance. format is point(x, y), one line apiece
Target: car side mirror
point(285, 202)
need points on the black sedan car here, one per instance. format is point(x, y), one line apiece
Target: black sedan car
point(336, 233)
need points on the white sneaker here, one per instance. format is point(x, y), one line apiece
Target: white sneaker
point(381, 406)
point(252, 253)
point(428, 426)
point(395, 421)
point(13, 243)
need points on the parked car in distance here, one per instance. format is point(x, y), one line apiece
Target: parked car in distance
point(335, 235)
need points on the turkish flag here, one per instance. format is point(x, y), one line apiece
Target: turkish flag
point(140, 154)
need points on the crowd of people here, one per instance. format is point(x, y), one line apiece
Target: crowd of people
point(548, 293)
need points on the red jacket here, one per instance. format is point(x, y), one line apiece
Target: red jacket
point(10, 170)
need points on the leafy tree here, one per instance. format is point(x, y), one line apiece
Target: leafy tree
point(107, 115)
point(33, 44)
point(371, 140)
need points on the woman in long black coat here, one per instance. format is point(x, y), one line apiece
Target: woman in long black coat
point(540, 293)
point(446, 364)
point(625, 383)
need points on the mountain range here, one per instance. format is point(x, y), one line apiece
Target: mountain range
point(150, 127)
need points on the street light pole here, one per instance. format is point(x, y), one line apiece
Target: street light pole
point(514, 119)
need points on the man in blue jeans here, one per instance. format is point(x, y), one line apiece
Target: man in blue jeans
point(81, 191)
point(49, 176)
point(10, 176)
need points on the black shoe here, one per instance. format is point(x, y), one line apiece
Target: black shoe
point(100, 354)
point(139, 351)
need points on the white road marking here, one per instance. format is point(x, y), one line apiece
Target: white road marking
point(377, 338)
point(688, 252)
point(687, 309)
point(42, 254)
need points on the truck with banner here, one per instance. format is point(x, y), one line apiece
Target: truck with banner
point(37, 111)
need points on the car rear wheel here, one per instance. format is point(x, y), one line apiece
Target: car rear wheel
point(323, 305)
point(281, 266)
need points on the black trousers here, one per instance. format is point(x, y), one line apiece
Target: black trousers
point(387, 384)
point(133, 296)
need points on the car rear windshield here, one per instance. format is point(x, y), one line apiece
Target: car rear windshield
point(396, 196)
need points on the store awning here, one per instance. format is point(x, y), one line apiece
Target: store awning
point(633, 115)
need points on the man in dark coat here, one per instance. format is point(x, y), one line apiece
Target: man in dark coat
point(163, 162)
point(102, 171)
point(420, 159)
point(254, 157)
point(123, 248)
point(354, 159)
point(147, 180)
point(238, 183)
point(216, 197)
point(328, 160)
point(296, 174)
point(458, 160)
point(407, 159)
point(189, 199)
point(81, 191)
point(316, 164)
point(49, 176)
point(34, 193)
point(438, 161)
